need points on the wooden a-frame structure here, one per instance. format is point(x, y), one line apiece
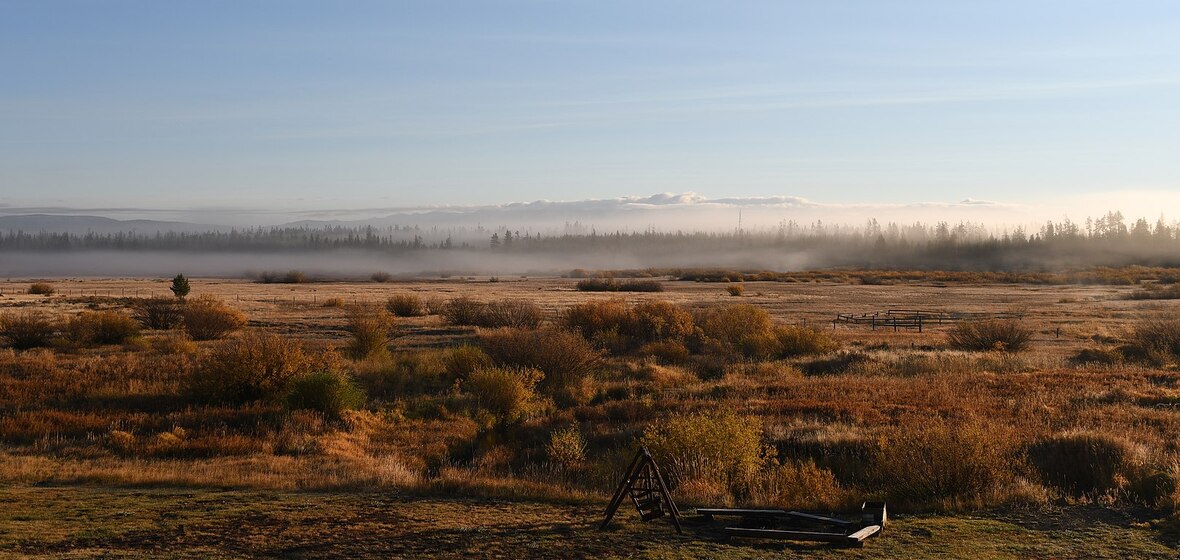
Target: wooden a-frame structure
point(647, 489)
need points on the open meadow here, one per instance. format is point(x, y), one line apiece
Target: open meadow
point(494, 416)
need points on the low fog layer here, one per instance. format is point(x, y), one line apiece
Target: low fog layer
point(360, 264)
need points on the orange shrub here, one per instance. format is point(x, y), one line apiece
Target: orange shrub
point(208, 318)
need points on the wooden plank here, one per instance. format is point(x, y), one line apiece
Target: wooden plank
point(786, 535)
point(859, 536)
point(738, 512)
point(819, 518)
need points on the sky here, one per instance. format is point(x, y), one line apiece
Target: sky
point(1065, 107)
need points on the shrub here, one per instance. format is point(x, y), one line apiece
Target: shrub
point(612, 285)
point(208, 318)
point(741, 329)
point(381, 277)
point(27, 330)
point(711, 446)
point(406, 305)
point(595, 318)
point(462, 311)
point(101, 327)
point(328, 392)
point(370, 328)
point(406, 373)
point(799, 341)
point(1005, 335)
point(178, 343)
point(735, 290)
point(566, 447)
point(1085, 462)
point(952, 464)
point(1155, 291)
point(655, 321)
point(337, 302)
point(253, 367)
point(566, 359)
point(667, 352)
point(180, 286)
point(159, 313)
point(289, 277)
point(462, 360)
point(504, 393)
point(514, 313)
point(798, 485)
point(1102, 356)
point(1156, 340)
point(41, 289)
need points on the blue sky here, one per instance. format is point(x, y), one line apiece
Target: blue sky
point(295, 104)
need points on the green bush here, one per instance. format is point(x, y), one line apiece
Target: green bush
point(719, 447)
point(504, 393)
point(567, 361)
point(1086, 462)
point(566, 447)
point(253, 367)
point(464, 359)
point(101, 327)
point(1006, 335)
point(27, 330)
point(328, 392)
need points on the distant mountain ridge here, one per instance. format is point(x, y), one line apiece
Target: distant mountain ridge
point(83, 224)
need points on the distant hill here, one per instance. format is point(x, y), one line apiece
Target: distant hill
point(81, 225)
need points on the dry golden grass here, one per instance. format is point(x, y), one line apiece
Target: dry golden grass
point(123, 414)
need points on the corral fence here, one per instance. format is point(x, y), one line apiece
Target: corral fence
point(915, 319)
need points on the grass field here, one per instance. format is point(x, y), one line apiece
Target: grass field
point(84, 522)
point(113, 448)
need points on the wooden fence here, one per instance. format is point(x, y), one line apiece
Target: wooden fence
point(915, 319)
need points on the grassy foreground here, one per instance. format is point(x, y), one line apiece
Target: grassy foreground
point(85, 522)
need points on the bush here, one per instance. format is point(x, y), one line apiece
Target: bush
point(462, 311)
point(741, 329)
point(566, 447)
point(370, 329)
point(1083, 462)
point(800, 341)
point(381, 277)
point(612, 285)
point(504, 393)
point(159, 313)
point(1155, 291)
point(618, 327)
point(253, 367)
point(289, 277)
point(566, 359)
point(462, 360)
point(1156, 340)
point(328, 392)
point(719, 447)
point(1101, 356)
point(208, 318)
point(735, 290)
point(27, 330)
point(406, 305)
point(174, 343)
point(514, 313)
point(337, 302)
point(951, 464)
point(1004, 335)
point(798, 485)
point(41, 289)
point(101, 327)
point(406, 374)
